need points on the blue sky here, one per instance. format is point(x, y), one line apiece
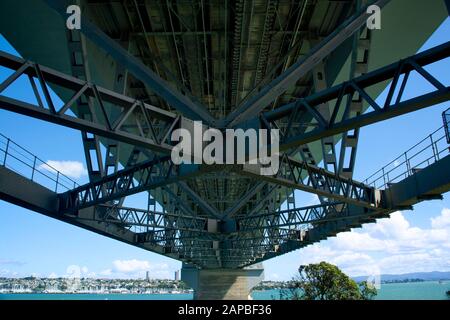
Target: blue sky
point(410, 241)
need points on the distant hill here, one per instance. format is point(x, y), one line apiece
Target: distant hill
point(427, 276)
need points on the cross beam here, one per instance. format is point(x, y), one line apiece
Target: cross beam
point(297, 128)
point(297, 115)
point(181, 101)
point(280, 84)
point(302, 176)
point(293, 218)
point(148, 175)
point(150, 220)
point(154, 125)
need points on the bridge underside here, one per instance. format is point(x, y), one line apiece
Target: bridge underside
point(424, 184)
point(138, 70)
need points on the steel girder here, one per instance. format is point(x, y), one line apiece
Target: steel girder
point(359, 65)
point(148, 175)
point(80, 70)
point(149, 135)
point(300, 175)
point(293, 218)
point(150, 220)
point(251, 241)
point(273, 238)
point(154, 125)
point(294, 112)
point(322, 230)
point(427, 183)
point(344, 102)
point(247, 227)
point(259, 101)
point(200, 201)
point(446, 120)
point(244, 240)
point(128, 106)
point(182, 237)
point(161, 171)
point(187, 236)
point(398, 72)
point(182, 101)
point(33, 196)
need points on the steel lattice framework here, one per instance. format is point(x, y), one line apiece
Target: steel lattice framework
point(223, 216)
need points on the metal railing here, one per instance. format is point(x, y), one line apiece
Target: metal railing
point(18, 159)
point(446, 119)
point(429, 150)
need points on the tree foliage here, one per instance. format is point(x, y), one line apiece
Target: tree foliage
point(368, 291)
point(324, 281)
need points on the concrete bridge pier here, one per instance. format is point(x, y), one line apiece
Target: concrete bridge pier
point(222, 284)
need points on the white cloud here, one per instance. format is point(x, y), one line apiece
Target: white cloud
point(442, 221)
point(358, 241)
point(72, 169)
point(137, 268)
point(391, 245)
point(129, 266)
point(52, 275)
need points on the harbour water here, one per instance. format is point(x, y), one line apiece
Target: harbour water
point(428, 290)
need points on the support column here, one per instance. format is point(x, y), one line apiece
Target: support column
point(222, 284)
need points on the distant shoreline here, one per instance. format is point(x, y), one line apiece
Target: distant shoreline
point(92, 293)
point(62, 286)
point(265, 288)
point(420, 290)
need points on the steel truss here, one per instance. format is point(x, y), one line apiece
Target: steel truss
point(261, 233)
point(260, 100)
point(252, 240)
point(161, 171)
point(297, 115)
point(151, 221)
point(316, 184)
point(293, 218)
point(181, 99)
point(154, 125)
point(300, 175)
point(148, 175)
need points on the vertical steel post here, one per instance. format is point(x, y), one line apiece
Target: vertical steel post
point(433, 147)
point(57, 179)
point(407, 165)
point(6, 152)
point(34, 168)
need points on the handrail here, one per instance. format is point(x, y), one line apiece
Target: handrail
point(446, 119)
point(429, 150)
point(20, 160)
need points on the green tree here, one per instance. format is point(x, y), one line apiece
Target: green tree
point(324, 281)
